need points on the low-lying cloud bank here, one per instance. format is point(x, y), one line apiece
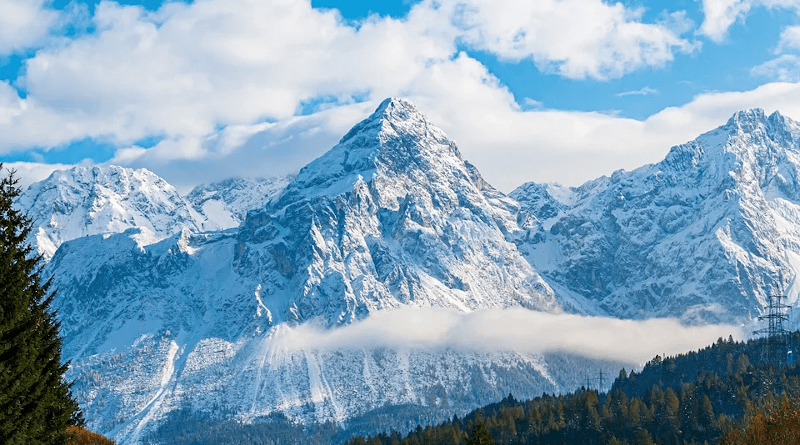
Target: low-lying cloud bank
point(519, 330)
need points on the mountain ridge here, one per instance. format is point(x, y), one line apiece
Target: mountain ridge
point(392, 216)
point(707, 225)
point(95, 200)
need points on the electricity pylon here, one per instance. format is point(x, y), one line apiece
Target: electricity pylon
point(775, 348)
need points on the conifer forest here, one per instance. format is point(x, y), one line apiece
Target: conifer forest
point(730, 393)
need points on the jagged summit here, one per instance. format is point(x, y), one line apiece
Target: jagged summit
point(226, 203)
point(748, 120)
point(755, 125)
point(755, 119)
point(396, 141)
point(83, 201)
point(392, 116)
point(752, 151)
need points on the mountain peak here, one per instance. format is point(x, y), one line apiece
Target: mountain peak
point(395, 139)
point(103, 199)
point(393, 115)
point(750, 120)
point(747, 119)
point(396, 107)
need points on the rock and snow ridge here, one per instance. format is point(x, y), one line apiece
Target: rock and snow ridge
point(707, 234)
point(225, 204)
point(392, 217)
point(102, 200)
point(86, 201)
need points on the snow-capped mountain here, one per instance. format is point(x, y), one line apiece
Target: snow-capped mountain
point(102, 200)
point(390, 217)
point(166, 313)
point(226, 203)
point(86, 201)
point(706, 235)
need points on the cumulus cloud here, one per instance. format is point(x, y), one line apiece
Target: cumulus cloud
point(785, 68)
point(519, 330)
point(189, 68)
point(219, 85)
point(720, 15)
point(24, 24)
point(577, 39)
point(789, 39)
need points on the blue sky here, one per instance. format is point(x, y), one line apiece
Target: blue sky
point(544, 90)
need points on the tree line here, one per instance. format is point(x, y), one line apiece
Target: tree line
point(728, 393)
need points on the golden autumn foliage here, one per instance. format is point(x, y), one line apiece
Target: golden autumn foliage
point(780, 426)
point(82, 436)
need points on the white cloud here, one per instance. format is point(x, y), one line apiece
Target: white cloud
point(577, 38)
point(720, 15)
point(529, 103)
point(519, 330)
point(785, 68)
point(24, 24)
point(789, 40)
point(189, 68)
point(644, 91)
point(220, 82)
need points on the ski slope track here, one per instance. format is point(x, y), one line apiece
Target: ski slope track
point(181, 303)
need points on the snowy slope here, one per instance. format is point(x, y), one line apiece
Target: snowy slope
point(226, 203)
point(85, 201)
point(167, 326)
point(390, 217)
point(705, 235)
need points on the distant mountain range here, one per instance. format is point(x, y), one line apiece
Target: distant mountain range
point(707, 234)
point(173, 303)
point(102, 200)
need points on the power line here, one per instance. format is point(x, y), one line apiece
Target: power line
point(599, 379)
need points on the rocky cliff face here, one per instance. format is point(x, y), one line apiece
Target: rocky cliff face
point(706, 235)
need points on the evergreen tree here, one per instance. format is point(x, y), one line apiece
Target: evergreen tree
point(479, 436)
point(36, 405)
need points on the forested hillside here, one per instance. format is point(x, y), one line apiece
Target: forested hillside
point(693, 398)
